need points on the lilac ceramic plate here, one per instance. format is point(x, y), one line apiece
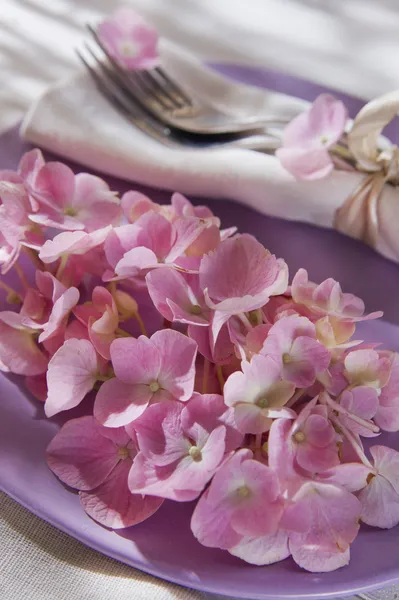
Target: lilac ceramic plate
point(164, 545)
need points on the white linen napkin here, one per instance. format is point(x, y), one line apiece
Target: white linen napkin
point(73, 120)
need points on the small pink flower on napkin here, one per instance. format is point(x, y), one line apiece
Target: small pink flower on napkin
point(310, 135)
point(130, 40)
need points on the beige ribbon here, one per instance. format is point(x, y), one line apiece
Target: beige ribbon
point(358, 216)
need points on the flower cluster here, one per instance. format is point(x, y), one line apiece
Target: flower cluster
point(204, 374)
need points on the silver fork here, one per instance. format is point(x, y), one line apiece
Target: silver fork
point(123, 98)
point(166, 100)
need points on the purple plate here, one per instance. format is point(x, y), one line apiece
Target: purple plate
point(164, 545)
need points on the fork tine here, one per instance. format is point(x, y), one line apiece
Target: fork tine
point(173, 85)
point(151, 87)
point(128, 108)
point(168, 98)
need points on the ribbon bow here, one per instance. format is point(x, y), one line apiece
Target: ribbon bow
point(358, 216)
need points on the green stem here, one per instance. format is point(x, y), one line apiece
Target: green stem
point(61, 266)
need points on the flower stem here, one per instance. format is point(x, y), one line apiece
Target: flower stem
point(21, 276)
point(62, 265)
point(220, 377)
point(363, 422)
point(205, 376)
point(10, 291)
point(298, 394)
point(342, 152)
point(244, 319)
point(141, 324)
point(122, 333)
point(354, 443)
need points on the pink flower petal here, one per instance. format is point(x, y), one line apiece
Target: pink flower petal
point(380, 503)
point(80, 455)
point(136, 360)
point(240, 275)
point(18, 350)
point(72, 373)
point(112, 503)
point(177, 370)
point(262, 550)
point(319, 560)
point(118, 403)
point(334, 519)
point(305, 163)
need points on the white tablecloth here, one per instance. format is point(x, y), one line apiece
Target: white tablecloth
point(351, 45)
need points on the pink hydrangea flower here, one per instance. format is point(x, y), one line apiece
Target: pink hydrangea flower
point(48, 308)
point(101, 319)
point(314, 439)
point(74, 202)
point(16, 230)
point(292, 343)
point(181, 446)
point(28, 168)
point(130, 40)
point(327, 298)
point(380, 498)
point(96, 461)
point(239, 277)
point(19, 351)
point(361, 401)
point(178, 297)
point(147, 371)
point(387, 415)
point(368, 367)
point(72, 373)
point(234, 504)
point(308, 138)
point(150, 242)
point(258, 394)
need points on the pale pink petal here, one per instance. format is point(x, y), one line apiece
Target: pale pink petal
point(134, 261)
point(251, 419)
point(250, 517)
point(18, 350)
point(380, 503)
point(174, 298)
point(334, 518)
point(262, 550)
point(306, 163)
point(118, 403)
point(208, 411)
point(386, 460)
point(55, 184)
point(387, 416)
point(211, 520)
point(136, 360)
point(60, 312)
point(317, 560)
point(178, 354)
point(241, 268)
point(186, 231)
point(351, 476)
point(72, 373)
point(113, 505)
point(80, 455)
point(135, 204)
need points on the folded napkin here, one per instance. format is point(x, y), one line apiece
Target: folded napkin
point(73, 120)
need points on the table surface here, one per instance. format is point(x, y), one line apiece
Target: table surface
point(351, 46)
